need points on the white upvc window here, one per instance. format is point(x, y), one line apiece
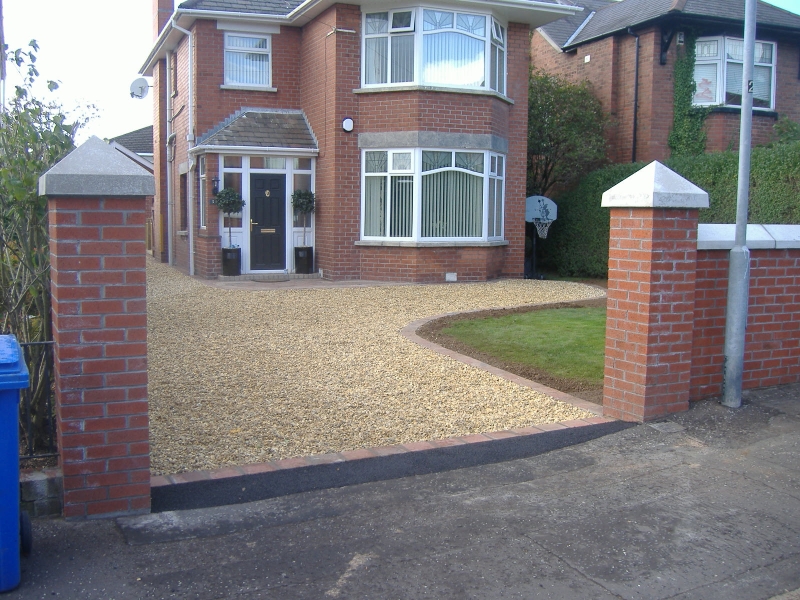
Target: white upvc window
point(434, 47)
point(718, 70)
point(201, 195)
point(247, 60)
point(432, 195)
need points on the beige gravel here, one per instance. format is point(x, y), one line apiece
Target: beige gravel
point(243, 376)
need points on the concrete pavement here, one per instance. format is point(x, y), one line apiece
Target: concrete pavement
point(703, 506)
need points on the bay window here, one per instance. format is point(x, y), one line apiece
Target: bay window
point(432, 195)
point(719, 66)
point(434, 47)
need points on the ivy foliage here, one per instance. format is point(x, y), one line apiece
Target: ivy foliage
point(566, 124)
point(577, 244)
point(688, 135)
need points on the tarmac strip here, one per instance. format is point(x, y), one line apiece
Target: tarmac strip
point(249, 483)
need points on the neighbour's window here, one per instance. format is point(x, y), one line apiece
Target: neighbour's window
point(416, 194)
point(434, 47)
point(719, 66)
point(247, 60)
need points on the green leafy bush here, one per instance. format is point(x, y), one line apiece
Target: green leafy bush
point(577, 244)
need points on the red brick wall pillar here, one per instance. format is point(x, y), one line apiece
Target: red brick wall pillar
point(651, 285)
point(97, 214)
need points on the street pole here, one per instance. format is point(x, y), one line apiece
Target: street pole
point(739, 270)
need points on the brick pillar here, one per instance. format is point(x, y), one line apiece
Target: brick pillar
point(97, 212)
point(651, 275)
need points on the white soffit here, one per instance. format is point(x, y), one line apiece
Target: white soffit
point(655, 186)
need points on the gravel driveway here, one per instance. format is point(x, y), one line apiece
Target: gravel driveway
point(243, 376)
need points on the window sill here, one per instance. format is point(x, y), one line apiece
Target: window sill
point(737, 110)
point(431, 88)
point(251, 88)
point(183, 234)
point(452, 244)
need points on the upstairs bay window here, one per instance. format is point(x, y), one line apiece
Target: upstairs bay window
point(434, 47)
point(247, 60)
point(718, 71)
point(432, 195)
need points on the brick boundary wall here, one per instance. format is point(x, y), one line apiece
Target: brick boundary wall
point(772, 338)
point(667, 299)
point(100, 333)
point(650, 312)
point(97, 209)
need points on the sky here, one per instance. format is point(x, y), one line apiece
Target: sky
point(94, 49)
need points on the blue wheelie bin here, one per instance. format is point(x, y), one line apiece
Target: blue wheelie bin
point(13, 378)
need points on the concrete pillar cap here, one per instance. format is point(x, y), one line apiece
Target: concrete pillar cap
point(96, 169)
point(655, 186)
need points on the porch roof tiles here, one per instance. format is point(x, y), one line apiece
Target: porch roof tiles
point(262, 129)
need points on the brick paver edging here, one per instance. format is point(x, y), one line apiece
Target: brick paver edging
point(163, 481)
point(410, 332)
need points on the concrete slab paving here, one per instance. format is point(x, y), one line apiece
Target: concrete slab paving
point(711, 511)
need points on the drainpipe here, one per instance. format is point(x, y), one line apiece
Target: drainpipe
point(635, 95)
point(190, 139)
point(170, 159)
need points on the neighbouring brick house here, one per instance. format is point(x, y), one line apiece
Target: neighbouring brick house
point(409, 123)
point(599, 45)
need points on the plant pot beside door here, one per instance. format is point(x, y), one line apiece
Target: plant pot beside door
point(304, 203)
point(230, 202)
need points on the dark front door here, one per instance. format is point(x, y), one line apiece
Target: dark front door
point(267, 222)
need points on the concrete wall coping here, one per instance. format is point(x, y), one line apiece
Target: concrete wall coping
point(433, 139)
point(712, 236)
point(655, 186)
point(96, 169)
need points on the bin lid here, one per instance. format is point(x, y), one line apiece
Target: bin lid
point(13, 370)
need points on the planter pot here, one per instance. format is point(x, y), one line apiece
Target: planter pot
point(231, 262)
point(304, 259)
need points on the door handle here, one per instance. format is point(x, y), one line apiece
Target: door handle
point(251, 225)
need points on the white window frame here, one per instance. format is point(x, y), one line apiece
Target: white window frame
point(490, 176)
point(721, 62)
point(201, 194)
point(495, 36)
point(227, 81)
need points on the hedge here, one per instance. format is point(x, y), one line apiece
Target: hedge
point(577, 244)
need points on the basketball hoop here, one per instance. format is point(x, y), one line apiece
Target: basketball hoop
point(542, 225)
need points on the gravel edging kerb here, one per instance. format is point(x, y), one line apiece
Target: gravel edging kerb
point(410, 332)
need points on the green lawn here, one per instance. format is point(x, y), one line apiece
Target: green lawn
point(565, 342)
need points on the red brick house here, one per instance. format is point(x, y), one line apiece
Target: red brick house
point(409, 124)
point(599, 45)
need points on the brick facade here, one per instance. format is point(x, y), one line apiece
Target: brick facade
point(97, 255)
point(317, 69)
point(610, 70)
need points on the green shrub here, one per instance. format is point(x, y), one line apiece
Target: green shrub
point(577, 244)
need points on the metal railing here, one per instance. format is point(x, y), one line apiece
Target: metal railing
point(37, 423)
